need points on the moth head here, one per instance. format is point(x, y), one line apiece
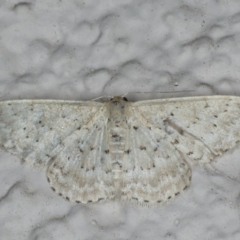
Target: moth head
point(118, 99)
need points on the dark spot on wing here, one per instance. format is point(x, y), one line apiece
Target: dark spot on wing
point(135, 128)
point(80, 150)
point(127, 151)
point(142, 148)
point(115, 135)
point(206, 106)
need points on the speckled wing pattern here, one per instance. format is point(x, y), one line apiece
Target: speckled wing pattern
point(199, 127)
point(35, 130)
point(137, 152)
point(154, 171)
point(67, 137)
point(164, 133)
point(82, 171)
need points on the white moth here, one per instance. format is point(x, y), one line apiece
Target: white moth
point(135, 152)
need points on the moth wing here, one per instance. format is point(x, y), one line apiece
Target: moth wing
point(199, 127)
point(34, 130)
point(153, 171)
point(81, 172)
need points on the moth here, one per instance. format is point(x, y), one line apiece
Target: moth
point(129, 151)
